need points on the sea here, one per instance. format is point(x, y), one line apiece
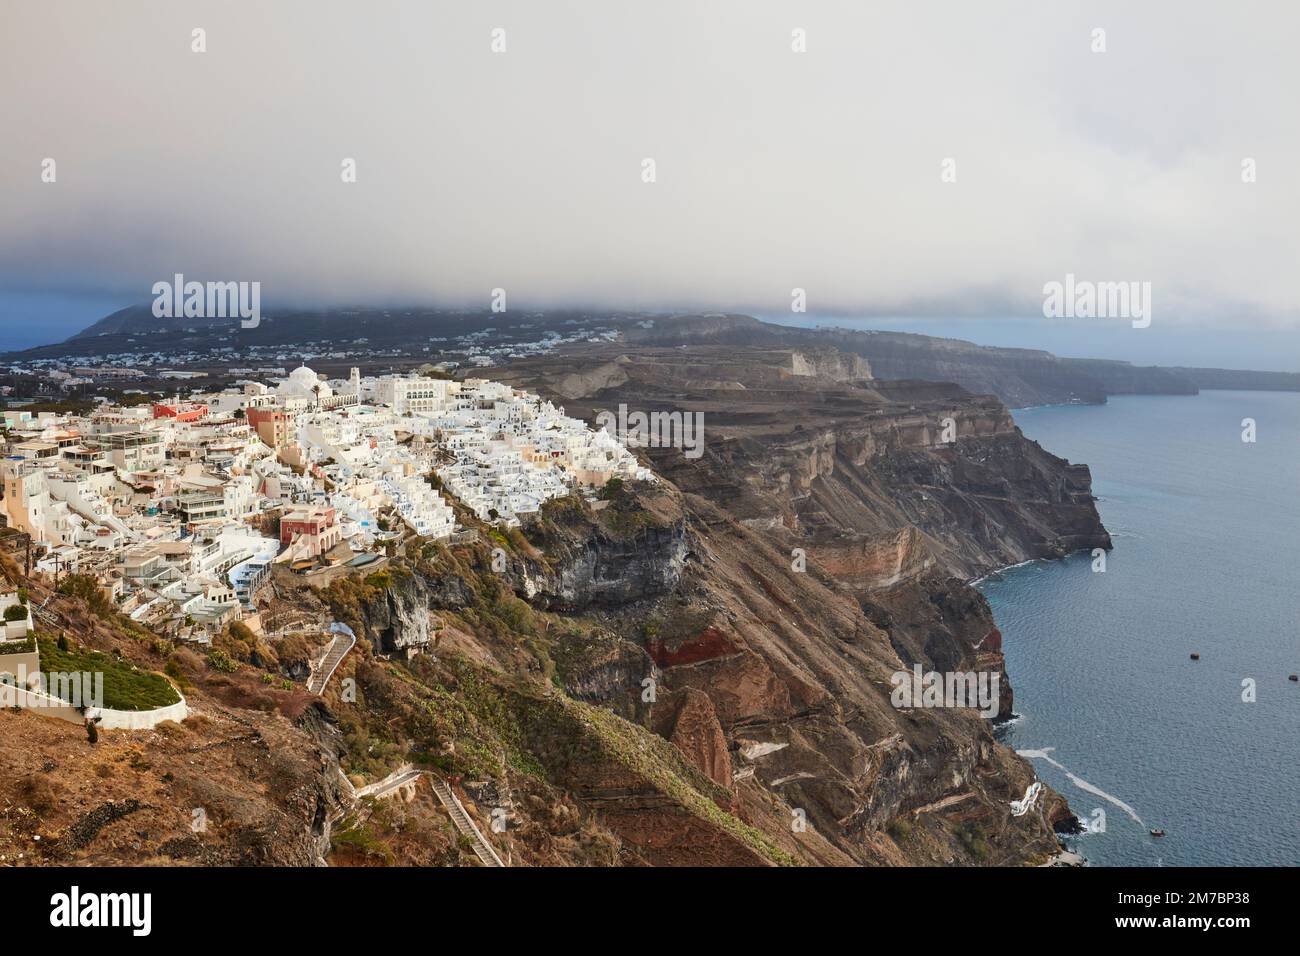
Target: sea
point(1112, 711)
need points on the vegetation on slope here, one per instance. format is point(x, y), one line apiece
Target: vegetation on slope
point(126, 687)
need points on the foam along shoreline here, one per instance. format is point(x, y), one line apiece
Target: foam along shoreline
point(996, 572)
point(1065, 858)
point(1079, 782)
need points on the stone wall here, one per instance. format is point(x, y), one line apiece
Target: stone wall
point(48, 706)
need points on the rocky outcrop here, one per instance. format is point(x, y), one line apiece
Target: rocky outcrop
point(874, 562)
point(695, 729)
point(830, 364)
point(604, 570)
point(403, 621)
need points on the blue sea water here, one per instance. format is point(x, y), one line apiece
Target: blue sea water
point(1206, 530)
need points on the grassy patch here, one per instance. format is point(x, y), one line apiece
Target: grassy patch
point(354, 836)
point(126, 687)
point(972, 838)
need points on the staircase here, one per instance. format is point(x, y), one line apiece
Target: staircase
point(390, 784)
point(482, 849)
point(446, 796)
point(49, 618)
point(344, 641)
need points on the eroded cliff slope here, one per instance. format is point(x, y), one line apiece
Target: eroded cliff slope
point(695, 671)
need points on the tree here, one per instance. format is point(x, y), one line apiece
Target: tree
point(88, 589)
point(613, 488)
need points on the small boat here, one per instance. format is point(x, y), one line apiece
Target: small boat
point(1293, 678)
point(1196, 656)
point(1157, 833)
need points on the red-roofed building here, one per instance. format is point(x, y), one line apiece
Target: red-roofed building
point(312, 531)
point(181, 411)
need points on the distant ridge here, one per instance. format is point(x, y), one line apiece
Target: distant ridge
point(1019, 377)
point(138, 319)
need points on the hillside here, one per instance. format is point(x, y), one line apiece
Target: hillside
point(1018, 377)
point(655, 678)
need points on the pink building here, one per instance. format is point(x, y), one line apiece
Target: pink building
point(311, 531)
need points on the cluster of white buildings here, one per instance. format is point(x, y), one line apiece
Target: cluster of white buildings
point(165, 351)
point(182, 508)
point(499, 450)
point(510, 451)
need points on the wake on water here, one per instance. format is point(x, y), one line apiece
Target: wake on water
point(1081, 783)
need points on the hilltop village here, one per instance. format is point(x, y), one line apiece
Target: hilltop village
point(180, 510)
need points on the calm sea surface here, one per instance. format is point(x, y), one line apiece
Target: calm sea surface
point(1207, 559)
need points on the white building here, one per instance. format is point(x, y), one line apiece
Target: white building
point(413, 394)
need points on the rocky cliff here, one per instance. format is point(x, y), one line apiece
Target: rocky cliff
point(832, 526)
point(694, 671)
point(1019, 377)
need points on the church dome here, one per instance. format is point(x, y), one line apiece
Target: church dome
point(302, 383)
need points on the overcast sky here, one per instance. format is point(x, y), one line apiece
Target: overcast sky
point(775, 169)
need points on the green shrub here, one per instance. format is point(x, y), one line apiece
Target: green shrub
point(173, 670)
point(613, 488)
point(899, 828)
point(219, 660)
point(972, 837)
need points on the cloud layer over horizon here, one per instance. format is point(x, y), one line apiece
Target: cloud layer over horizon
point(775, 170)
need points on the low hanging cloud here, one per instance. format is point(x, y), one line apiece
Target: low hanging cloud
point(774, 169)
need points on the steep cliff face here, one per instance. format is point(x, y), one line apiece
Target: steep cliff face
point(587, 564)
point(607, 569)
point(1019, 377)
point(791, 672)
point(770, 682)
point(1124, 378)
point(832, 526)
point(948, 469)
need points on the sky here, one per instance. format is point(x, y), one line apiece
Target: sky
point(822, 170)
